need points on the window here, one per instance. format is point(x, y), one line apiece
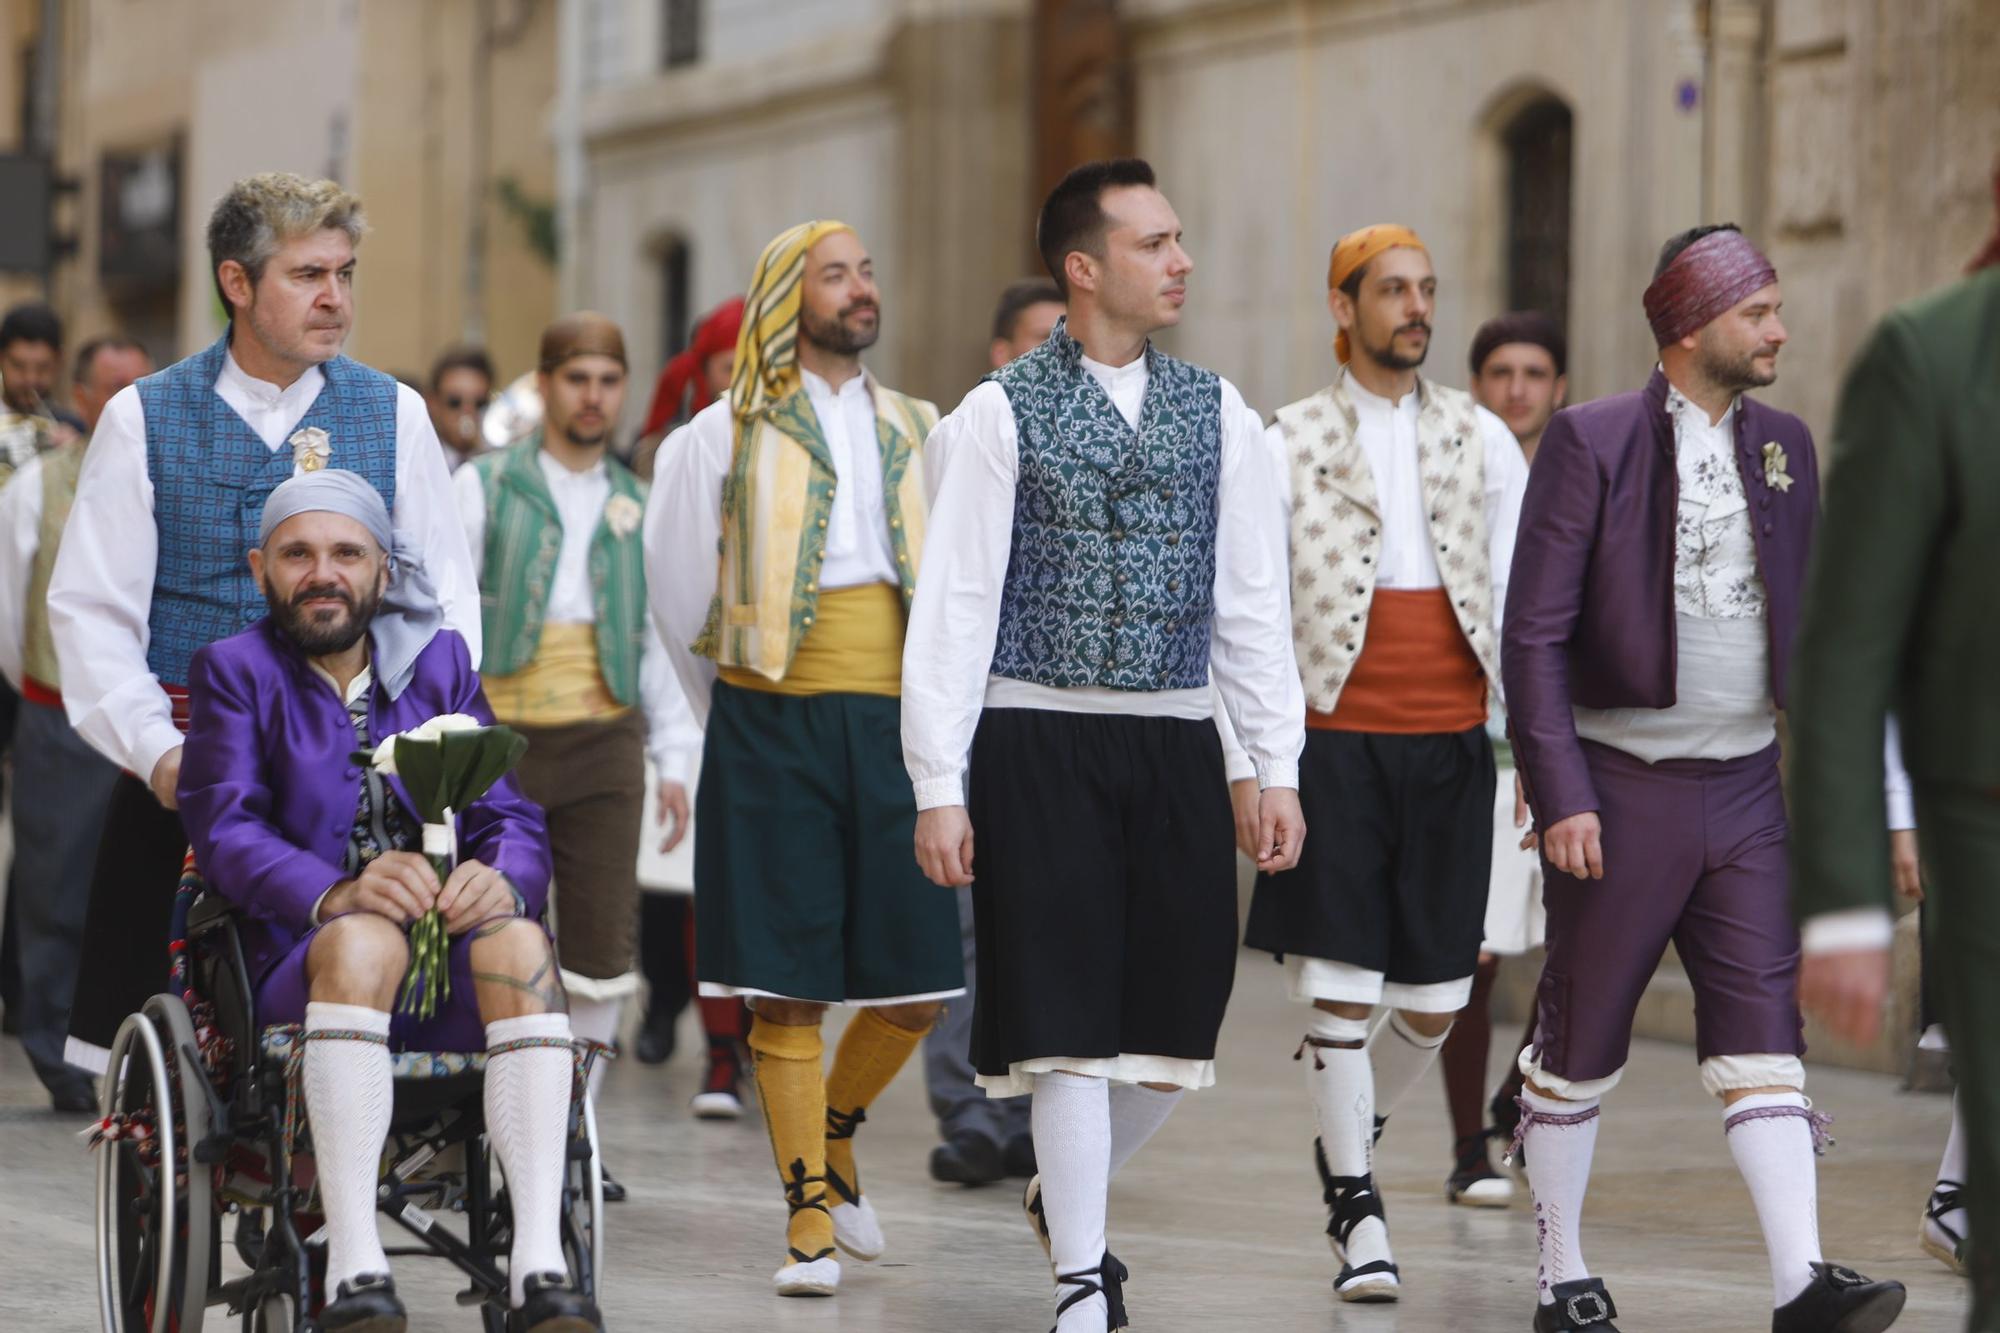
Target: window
point(680, 33)
point(1539, 153)
point(673, 261)
point(603, 42)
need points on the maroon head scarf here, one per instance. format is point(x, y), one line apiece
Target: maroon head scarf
point(1706, 279)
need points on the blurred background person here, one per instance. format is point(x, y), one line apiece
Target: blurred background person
point(31, 343)
point(63, 786)
point(985, 1138)
point(460, 387)
point(1517, 365)
point(696, 376)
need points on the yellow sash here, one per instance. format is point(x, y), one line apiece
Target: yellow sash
point(563, 683)
point(852, 645)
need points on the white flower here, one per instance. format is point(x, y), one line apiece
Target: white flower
point(1775, 474)
point(385, 753)
point(311, 447)
point(622, 515)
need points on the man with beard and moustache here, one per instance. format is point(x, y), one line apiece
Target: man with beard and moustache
point(62, 786)
point(1403, 495)
point(808, 483)
point(324, 861)
point(572, 662)
point(1649, 625)
point(151, 567)
point(1107, 536)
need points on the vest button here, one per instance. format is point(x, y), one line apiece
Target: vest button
point(1366, 560)
point(1173, 585)
point(1167, 494)
point(806, 620)
point(895, 522)
point(1119, 579)
point(1356, 617)
point(353, 773)
point(1117, 534)
point(1173, 539)
point(1118, 621)
point(1767, 529)
point(812, 586)
point(822, 522)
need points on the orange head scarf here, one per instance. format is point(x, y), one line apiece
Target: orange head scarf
point(1357, 248)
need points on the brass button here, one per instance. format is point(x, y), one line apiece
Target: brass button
point(822, 522)
point(806, 620)
point(811, 586)
point(902, 559)
point(895, 522)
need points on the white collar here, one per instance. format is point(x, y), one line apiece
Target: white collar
point(263, 392)
point(1131, 370)
point(1366, 397)
point(558, 472)
point(817, 386)
point(1679, 404)
point(357, 688)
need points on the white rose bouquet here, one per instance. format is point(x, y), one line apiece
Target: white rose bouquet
point(445, 765)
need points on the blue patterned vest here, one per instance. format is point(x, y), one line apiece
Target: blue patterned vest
point(211, 476)
point(1111, 579)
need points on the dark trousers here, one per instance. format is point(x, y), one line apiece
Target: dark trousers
point(590, 780)
point(132, 886)
point(61, 791)
point(1960, 837)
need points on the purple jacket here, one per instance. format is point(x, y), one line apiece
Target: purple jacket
point(1590, 600)
point(268, 789)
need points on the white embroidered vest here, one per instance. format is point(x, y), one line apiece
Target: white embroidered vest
point(1336, 533)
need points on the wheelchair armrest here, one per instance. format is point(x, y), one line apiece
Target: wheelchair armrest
point(210, 911)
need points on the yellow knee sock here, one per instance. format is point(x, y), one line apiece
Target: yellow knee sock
point(871, 1051)
point(793, 1088)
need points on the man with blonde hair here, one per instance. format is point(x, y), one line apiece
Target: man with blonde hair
point(808, 482)
point(167, 503)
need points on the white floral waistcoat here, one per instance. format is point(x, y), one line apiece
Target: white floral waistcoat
point(1336, 528)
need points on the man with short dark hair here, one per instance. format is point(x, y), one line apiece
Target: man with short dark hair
point(1021, 321)
point(1649, 625)
point(459, 387)
point(62, 786)
point(1401, 504)
point(1108, 532)
point(1520, 372)
point(31, 342)
point(151, 567)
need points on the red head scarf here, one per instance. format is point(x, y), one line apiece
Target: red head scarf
point(1704, 281)
point(717, 332)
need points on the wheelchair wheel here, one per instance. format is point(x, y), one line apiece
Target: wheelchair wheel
point(274, 1314)
point(583, 1230)
point(155, 1214)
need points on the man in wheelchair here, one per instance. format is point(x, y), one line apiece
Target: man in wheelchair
point(321, 860)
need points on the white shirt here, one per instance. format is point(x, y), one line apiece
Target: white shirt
point(102, 590)
point(1388, 437)
point(948, 653)
point(20, 539)
point(684, 517)
point(1715, 554)
point(858, 550)
point(672, 738)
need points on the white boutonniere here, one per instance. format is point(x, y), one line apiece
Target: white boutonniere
point(384, 758)
point(1775, 475)
point(311, 447)
point(622, 514)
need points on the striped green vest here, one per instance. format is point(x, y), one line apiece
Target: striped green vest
point(523, 538)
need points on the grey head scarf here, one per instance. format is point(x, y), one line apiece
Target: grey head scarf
point(410, 616)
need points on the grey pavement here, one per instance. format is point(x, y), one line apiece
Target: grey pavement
point(1219, 1218)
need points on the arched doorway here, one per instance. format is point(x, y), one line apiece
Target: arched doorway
point(1539, 145)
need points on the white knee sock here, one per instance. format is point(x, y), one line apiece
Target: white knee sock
point(1401, 1056)
point(1951, 1170)
point(1341, 1082)
point(596, 1020)
point(1559, 1138)
point(348, 1099)
point(527, 1118)
point(1072, 1125)
point(1775, 1154)
point(1137, 1112)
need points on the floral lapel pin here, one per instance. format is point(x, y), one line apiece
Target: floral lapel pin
point(1775, 475)
point(622, 515)
point(311, 447)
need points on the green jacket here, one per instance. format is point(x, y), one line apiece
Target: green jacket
point(1902, 610)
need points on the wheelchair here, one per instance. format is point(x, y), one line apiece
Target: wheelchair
point(201, 1119)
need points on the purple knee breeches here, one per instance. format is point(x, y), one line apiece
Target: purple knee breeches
point(282, 993)
point(1694, 853)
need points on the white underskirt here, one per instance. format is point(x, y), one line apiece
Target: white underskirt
point(1019, 1080)
point(716, 990)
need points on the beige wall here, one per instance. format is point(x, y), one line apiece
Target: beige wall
point(377, 93)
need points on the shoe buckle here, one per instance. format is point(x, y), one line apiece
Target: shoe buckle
point(1844, 1277)
point(1587, 1307)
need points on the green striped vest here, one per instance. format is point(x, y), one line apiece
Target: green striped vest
point(523, 538)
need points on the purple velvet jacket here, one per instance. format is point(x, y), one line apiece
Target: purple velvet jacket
point(268, 788)
point(1590, 600)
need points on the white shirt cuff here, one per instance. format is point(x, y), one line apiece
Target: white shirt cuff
point(1851, 931)
point(935, 792)
point(152, 747)
point(1278, 773)
point(1238, 767)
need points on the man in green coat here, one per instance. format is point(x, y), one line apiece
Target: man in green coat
point(1902, 616)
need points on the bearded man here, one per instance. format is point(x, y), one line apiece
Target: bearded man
point(1649, 627)
point(808, 482)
